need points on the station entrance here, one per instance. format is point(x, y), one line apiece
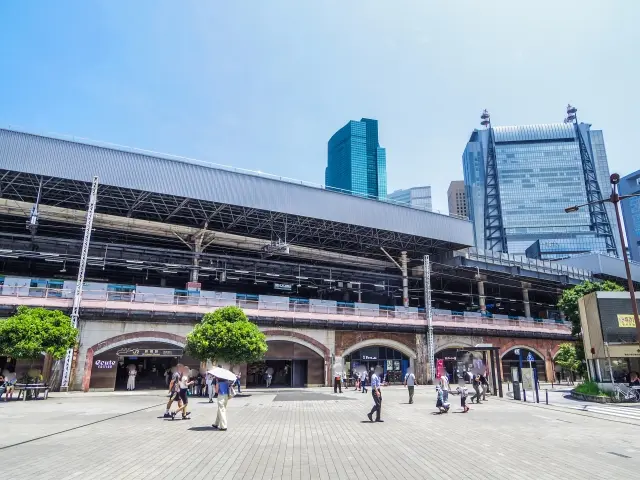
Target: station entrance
point(152, 363)
point(290, 365)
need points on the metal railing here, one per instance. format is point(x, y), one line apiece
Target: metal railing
point(288, 307)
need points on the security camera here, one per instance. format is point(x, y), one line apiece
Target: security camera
point(614, 178)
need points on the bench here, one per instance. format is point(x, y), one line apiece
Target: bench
point(34, 388)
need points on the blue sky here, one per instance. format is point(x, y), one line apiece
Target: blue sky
point(262, 85)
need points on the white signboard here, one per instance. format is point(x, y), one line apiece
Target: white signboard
point(272, 302)
point(367, 309)
point(17, 286)
point(154, 295)
point(323, 306)
point(217, 299)
point(527, 378)
point(90, 290)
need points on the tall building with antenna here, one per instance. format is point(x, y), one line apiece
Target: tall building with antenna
point(519, 179)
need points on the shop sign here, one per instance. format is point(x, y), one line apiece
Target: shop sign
point(150, 352)
point(450, 358)
point(105, 364)
point(620, 351)
point(367, 357)
point(282, 286)
point(626, 321)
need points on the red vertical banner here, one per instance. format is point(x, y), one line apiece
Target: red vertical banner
point(440, 368)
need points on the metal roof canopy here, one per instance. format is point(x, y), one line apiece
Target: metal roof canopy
point(194, 194)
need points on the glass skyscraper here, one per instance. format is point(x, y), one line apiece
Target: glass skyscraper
point(355, 161)
point(419, 197)
point(539, 173)
point(631, 213)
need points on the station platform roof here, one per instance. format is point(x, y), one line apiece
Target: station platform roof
point(171, 189)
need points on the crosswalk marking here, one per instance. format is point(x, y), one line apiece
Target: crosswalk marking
point(623, 412)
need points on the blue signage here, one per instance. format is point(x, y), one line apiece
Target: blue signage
point(530, 357)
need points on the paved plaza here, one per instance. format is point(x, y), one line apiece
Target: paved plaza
point(314, 434)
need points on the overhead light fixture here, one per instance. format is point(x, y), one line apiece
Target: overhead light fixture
point(328, 280)
point(53, 260)
point(272, 275)
point(302, 278)
point(232, 278)
point(134, 261)
point(168, 271)
point(5, 251)
point(48, 254)
point(260, 281)
point(311, 286)
point(135, 268)
point(378, 285)
point(241, 271)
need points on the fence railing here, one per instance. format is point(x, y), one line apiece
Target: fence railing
point(185, 303)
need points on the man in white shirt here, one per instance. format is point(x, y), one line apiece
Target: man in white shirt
point(410, 382)
point(377, 398)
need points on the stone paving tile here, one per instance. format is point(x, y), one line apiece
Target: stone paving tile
point(316, 439)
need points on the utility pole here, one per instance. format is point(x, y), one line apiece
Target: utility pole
point(427, 308)
point(77, 298)
point(405, 274)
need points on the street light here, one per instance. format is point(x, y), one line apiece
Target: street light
point(615, 198)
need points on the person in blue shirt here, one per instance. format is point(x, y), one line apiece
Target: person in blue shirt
point(222, 389)
point(377, 397)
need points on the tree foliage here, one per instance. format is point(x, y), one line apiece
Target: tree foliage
point(568, 303)
point(226, 334)
point(34, 331)
point(567, 357)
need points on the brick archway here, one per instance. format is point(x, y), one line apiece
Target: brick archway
point(305, 340)
point(126, 338)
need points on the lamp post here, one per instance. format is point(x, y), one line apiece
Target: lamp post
point(615, 200)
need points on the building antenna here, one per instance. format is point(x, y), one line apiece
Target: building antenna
point(486, 119)
point(572, 116)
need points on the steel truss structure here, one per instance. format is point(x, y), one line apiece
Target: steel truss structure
point(494, 234)
point(264, 224)
point(597, 211)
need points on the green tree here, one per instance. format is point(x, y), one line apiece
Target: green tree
point(568, 303)
point(35, 331)
point(567, 358)
point(226, 334)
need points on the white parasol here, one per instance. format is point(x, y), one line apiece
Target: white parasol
point(223, 374)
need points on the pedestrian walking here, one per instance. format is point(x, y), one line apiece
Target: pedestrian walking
point(222, 390)
point(268, 378)
point(485, 387)
point(337, 382)
point(184, 385)
point(239, 381)
point(131, 381)
point(377, 398)
point(476, 388)
point(174, 391)
point(363, 381)
point(209, 379)
point(464, 393)
point(410, 382)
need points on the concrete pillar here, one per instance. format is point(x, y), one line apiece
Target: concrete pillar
point(405, 279)
point(549, 370)
point(525, 298)
point(482, 301)
point(422, 367)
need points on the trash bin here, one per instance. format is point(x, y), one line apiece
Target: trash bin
point(516, 391)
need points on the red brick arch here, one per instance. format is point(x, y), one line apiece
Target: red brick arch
point(119, 339)
point(305, 338)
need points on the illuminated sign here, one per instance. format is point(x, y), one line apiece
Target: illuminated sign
point(105, 363)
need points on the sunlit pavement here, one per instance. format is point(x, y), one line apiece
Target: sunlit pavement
point(311, 434)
